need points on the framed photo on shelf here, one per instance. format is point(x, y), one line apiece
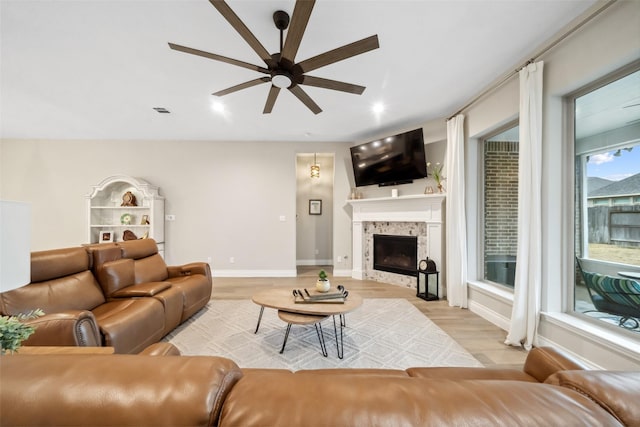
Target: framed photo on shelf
point(315, 207)
point(106, 236)
point(144, 220)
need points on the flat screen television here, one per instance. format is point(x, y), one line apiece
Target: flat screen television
point(393, 160)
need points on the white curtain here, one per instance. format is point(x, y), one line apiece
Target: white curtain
point(526, 298)
point(456, 221)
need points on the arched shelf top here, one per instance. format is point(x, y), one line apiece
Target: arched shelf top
point(122, 181)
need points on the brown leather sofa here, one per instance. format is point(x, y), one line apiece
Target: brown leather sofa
point(121, 295)
point(128, 390)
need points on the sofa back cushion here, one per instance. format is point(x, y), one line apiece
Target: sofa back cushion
point(149, 265)
point(115, 390)
point(115, 275)
point(60, 280)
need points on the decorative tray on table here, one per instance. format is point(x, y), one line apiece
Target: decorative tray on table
point(305, 297)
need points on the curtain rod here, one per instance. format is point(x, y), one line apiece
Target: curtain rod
point(535, 57)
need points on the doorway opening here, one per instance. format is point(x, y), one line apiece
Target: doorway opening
point(314, 212)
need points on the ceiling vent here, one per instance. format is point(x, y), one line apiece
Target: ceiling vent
point(162, 110)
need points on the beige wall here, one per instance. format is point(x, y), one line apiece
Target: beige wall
point(607, 43)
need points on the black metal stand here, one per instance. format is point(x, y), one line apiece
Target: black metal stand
point(319, 332)
point(339, 343)
point(259, 319)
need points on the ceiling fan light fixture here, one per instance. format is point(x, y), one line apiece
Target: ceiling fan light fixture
point(281, 80)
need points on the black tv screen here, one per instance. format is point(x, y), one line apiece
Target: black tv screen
point(397, 159)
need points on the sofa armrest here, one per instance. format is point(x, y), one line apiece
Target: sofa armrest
point(66, 328)
point(544, 361)
point(189, 269)
point(148, 289)
point(161, 349)
point(616, 392)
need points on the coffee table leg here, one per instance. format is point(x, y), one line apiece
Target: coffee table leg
point(339, 343)
point(323, 346)
point(259, 319)
point(286, 335)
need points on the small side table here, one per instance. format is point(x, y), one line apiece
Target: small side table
point(428, 284)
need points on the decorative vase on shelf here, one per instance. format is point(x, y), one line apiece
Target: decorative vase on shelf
point(322, 284)
point(440, 188)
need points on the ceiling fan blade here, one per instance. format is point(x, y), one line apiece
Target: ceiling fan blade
point(241, 86)
point(242, 29)
point(332, 84)
point(339, 54)
point(271, 99)
point(306, 99)
point(299, 20)
point(217, 57)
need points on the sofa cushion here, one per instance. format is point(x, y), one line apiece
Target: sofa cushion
point(196, 292)
point(52, 264)
point(140, 248)
point(114, 390)
point(78, 291)
point(129, 325)
point(150, 269)
point(115, 275)
point(617, 392)
point(361, 400)
point(461, 373)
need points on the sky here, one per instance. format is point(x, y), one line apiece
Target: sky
point(612, 167)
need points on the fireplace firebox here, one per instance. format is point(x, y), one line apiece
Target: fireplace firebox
point(395, 254)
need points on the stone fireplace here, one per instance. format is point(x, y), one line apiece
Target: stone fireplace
point(418, 217)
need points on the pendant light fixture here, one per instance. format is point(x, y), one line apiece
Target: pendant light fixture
point(315, 168)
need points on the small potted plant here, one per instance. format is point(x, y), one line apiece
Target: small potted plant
point(13, 331)
point(323, 285)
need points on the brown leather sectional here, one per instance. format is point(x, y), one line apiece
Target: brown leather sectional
point(134, 390)
point(121, 295)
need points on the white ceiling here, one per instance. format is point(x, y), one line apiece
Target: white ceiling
point(92, 69)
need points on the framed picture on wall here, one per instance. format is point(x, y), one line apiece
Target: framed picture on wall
point(315, 207)
point(106, 236)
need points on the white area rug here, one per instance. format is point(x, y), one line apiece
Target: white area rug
point(382, 333)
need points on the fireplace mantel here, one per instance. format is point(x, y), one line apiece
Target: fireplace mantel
point(427, 208)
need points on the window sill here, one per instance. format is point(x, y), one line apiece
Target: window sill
point(492, 290)
point(628, 346)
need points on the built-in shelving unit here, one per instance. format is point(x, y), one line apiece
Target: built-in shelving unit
point(106, 213)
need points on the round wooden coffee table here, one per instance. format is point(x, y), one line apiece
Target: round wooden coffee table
point(307, 313)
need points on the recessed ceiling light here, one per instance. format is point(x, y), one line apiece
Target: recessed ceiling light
point(217, 106)
point(377, 108)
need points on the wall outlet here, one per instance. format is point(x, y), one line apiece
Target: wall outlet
point(339, 258)
point(208, 260)
point(317, 251)
point(283, 218)
point(232, 260)
point(170, 217)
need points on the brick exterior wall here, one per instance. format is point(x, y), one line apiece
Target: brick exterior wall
point(500, 198)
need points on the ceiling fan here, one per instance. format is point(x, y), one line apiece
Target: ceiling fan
point(281, 69)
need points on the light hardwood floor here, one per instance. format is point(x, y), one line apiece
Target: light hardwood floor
point(478, 336)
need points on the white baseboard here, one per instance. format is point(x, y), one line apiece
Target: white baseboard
point(253, 273)
point(341, 273)
point(492, 316)
point(312, 262)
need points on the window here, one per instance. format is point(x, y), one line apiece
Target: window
point(607, 202)
point(500, 206)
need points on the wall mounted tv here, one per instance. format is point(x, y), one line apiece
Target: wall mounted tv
point(394, 160)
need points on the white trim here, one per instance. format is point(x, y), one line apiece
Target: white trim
point(492, 316)
point(341, 273)
point(313, 262)
point(254, 273)
point(589, 332)
point(492, 290)
point(545, 342)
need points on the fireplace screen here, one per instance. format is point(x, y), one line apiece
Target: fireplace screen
point(395, 254)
